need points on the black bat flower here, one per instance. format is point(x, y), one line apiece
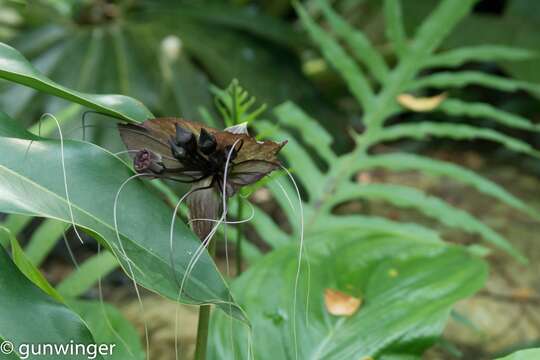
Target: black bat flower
point(190, 152)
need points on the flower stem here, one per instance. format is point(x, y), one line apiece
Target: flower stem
point(239, 239)
point(201, 344)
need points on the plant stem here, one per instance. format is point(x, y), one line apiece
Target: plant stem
point(201, 344)
point(239, 239)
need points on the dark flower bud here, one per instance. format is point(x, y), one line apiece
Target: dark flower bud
point(147, 161)
point(185, 138)
point(207, 142)
point(178, 152)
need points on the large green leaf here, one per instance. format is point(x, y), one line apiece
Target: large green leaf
point(406, 299)
point(24, 304)
point(14, 67)
point(31, 182)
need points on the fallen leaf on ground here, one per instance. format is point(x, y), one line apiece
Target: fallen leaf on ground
point(420, 104)
point(340, 304)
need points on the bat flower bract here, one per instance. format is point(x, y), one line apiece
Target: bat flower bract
point(189, 152)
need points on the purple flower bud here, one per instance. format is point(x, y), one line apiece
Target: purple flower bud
point(146, 161)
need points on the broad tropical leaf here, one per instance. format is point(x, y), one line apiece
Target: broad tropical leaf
point(14, 67)
point(405, 300)
point(32, 183)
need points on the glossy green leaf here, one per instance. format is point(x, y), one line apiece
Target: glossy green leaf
point(108, 326)
point(23, 303)
point(406, 300)
point(31, 179)
point(14, 67)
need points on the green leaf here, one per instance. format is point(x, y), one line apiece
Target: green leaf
point(359, 44)
point(14, 67)
point(336, 55)
point(528, 354)
point(23, 303)
point(28, 269)
point(404, 162)
point(108, 326)
point(31, 178)
point(88, 274)
point(406, 299)
point(430, 206)
point(480, 53)
point(445, 80)
point(456, 107)
point(393, 18)
point(422, 131)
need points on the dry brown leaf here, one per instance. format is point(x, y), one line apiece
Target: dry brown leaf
point(523, 294)
point(420, 104)
point(340, 304)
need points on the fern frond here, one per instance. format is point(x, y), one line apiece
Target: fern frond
point(404, 162)
point(423, 130)
point(310, 130)
point(428, 37)
point(430, 206)
point(342, 62)
point(445, 80)
point(395, 32)
point(372, 224)
point(479, 53)
point(360, 46)
point(235, 104)
point(455, 107)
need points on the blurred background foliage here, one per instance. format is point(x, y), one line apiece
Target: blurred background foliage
point(168, 54)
